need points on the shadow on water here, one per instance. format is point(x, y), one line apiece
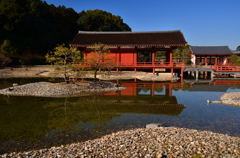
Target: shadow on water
point(35, 122)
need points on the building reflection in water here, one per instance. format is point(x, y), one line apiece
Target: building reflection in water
point(145, 98)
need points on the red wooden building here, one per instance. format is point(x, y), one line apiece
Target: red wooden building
point(135, 50)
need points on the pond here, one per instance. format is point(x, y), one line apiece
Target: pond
point(28, 123)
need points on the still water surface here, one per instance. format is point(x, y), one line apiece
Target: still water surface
point(28, 123)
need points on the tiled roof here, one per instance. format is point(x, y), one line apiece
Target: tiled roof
point(236, 51)
point(155, 38)
point(205, 50)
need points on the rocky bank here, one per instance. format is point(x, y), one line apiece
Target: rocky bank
point(47, 89)
point(229, 99)
point(160, 142)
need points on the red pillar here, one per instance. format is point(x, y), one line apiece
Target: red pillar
point(205, 60)
point(135, 56)
point(152, 90)
point(172, 71)
point(153, 56)
point(119, 55)
point(181, 78)
point(85, 53)
point(168, 90)
point(170, 56)
point(216, 61)
point(153, 59)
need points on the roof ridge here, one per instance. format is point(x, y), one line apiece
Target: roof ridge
point(209, 46)
point(125, 32)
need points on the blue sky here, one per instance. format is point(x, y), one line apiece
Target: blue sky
point(203, 22)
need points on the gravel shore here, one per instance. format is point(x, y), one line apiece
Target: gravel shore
point(46, 71)
point(47, 89)
point(232, 98)
point(160, 142)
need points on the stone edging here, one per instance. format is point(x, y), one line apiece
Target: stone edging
point(47, 89)
point(146, 142)
point(229, 99)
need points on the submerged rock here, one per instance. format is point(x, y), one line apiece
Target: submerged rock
point(153, 125)
point(217, 102)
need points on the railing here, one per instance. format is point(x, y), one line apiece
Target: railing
point(142, 64)
point(226, 82)
point(226, 68)
point(152, 64)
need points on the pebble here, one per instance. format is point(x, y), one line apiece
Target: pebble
point(153, 125)
point(159, 142)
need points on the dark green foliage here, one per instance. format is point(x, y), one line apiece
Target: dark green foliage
point(99, 20)
point(34, 26)
point(160, 56)
point(31, 28)
point(234, 60)
point(182, 54)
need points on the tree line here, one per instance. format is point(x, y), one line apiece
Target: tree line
point(29, 29)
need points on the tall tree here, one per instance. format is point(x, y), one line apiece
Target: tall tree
point(99, 20)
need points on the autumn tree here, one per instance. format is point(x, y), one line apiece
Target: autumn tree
point(99, 58)
point(62, 59)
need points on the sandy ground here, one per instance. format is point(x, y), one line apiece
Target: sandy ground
point(46, 71)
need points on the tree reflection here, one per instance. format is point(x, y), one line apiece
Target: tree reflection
point(67, 115)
